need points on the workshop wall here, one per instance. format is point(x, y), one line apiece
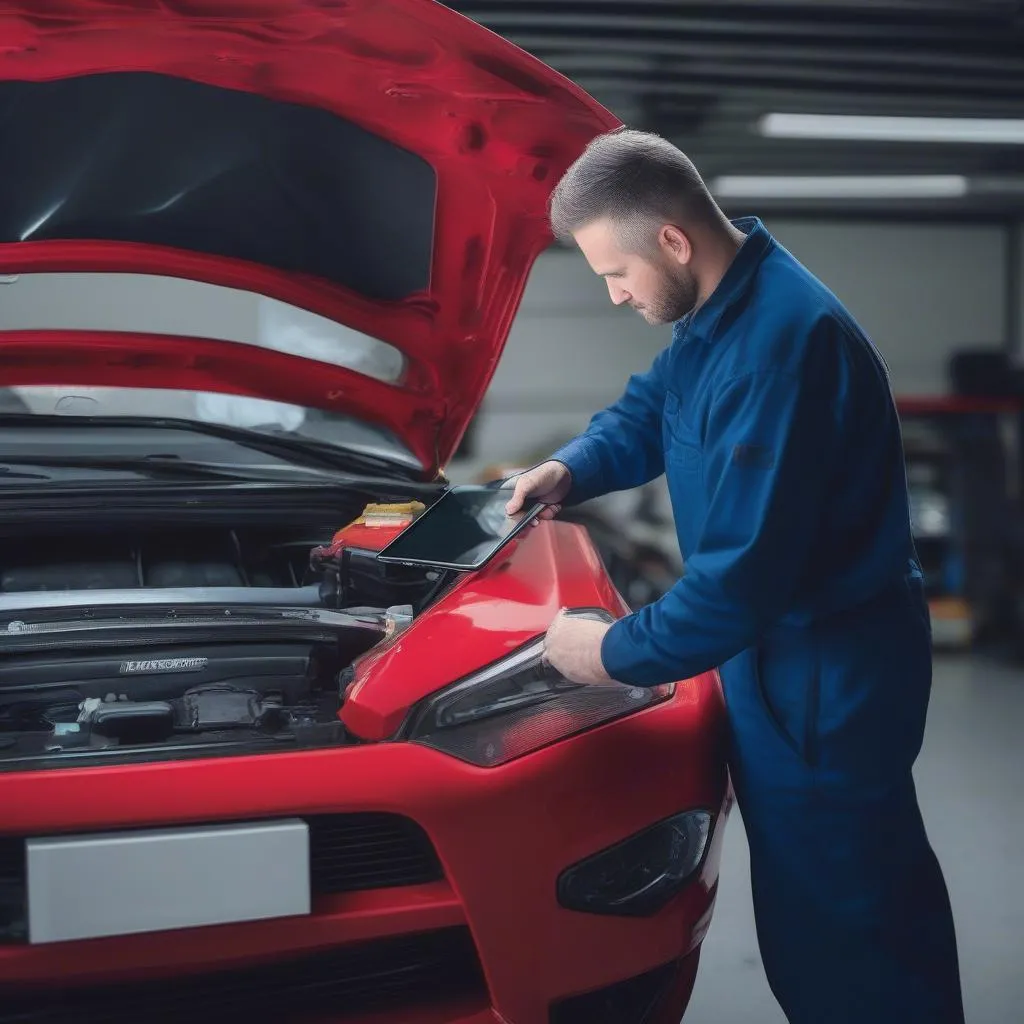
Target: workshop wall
point(920, 290)
point(1017, 341)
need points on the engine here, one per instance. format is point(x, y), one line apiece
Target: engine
point(203, 557)
point(204, 640)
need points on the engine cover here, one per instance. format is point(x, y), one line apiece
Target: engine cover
point(55, 684)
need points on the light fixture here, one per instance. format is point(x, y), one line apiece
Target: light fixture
point(922, 186)
point(870, 128)
point(520, 704)
point(638, 876)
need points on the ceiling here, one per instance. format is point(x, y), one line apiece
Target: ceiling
point(703, 74)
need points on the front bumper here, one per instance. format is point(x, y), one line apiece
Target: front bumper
point(503, 836)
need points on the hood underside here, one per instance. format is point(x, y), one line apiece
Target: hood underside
point(382, 163)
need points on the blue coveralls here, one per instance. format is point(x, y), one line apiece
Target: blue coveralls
point(772, 417)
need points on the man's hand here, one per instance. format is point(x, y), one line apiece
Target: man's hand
point(549, 482)
point(573, 647)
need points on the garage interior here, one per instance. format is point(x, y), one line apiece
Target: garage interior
point(918, 226)
point(882, 143)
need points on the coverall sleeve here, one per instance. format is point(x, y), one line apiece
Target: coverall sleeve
point(622, 446)
point(772, 440)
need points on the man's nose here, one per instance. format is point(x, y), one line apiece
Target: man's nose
point(618, 295)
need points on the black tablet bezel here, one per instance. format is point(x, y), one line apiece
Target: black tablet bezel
point(383, 556)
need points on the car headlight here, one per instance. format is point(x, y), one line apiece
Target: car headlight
point(638, 876)
point(521, 704)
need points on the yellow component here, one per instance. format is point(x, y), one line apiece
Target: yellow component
point(400, 508)
point(389, 514)
point(952, 621)
point(949, 608)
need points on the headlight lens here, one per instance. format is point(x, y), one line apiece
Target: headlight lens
point(640, 875)
point(520, 704)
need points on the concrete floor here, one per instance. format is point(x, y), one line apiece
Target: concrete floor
point(970, 779)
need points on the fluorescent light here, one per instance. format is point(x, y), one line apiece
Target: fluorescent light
point(991, 131)
point(925, 186)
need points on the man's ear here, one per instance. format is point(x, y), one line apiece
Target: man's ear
point(674, 243)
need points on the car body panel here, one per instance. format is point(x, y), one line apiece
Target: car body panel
point(109, 359)
point(503, 836)
point(484, 616)
point(497, 126)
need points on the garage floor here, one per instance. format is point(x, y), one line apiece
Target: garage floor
point(970, 779)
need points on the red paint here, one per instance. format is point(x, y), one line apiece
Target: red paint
point(355, 917)
point(503, 836)
point(109, 359)
point(679, 991)
point(498, 126)
point(423, 76)
point(360, 536)
point(486, 615)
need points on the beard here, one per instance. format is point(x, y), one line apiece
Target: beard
point(677, 297)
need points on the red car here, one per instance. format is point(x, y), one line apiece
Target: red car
point(247, 771)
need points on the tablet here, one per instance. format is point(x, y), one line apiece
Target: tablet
point(464, 529)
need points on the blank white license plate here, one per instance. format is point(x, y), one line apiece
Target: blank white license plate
point(125, 883)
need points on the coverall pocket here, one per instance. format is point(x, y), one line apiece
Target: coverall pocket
point(788, 688)
point(683, 476)
point(683, 473)
point(683, 458)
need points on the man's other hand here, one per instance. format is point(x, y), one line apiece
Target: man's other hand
point(573, 647)
point(549, 482)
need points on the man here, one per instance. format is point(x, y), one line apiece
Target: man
point(772, 417)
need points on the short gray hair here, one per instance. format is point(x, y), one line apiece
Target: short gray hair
point(638, 181)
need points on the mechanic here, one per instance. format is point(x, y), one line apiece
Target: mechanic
point(772, 417)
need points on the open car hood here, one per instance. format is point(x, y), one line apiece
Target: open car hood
point(385, 164)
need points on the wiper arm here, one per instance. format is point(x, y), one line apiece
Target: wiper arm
point(306, 451)
point(162, 466)
point(7, 473)
point(303, 451)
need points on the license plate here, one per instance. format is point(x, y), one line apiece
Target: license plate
point(126, 883)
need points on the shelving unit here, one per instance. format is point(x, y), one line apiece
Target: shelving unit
point(960, 475)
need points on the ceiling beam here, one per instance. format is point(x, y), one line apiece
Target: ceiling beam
point(760, 31)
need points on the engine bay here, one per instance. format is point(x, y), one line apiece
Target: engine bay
point(156, 644)
point(199, 557)
point(185, 696)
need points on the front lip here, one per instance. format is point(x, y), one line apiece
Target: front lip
point(497, 125)
point(484, 825)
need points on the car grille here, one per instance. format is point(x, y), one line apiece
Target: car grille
point(12, 889)
point(389, 974)
point(634, 1001)
point(348, 853)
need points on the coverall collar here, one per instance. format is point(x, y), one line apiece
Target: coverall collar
point(701, 324)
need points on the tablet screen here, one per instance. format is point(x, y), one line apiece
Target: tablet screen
point(461, 530)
